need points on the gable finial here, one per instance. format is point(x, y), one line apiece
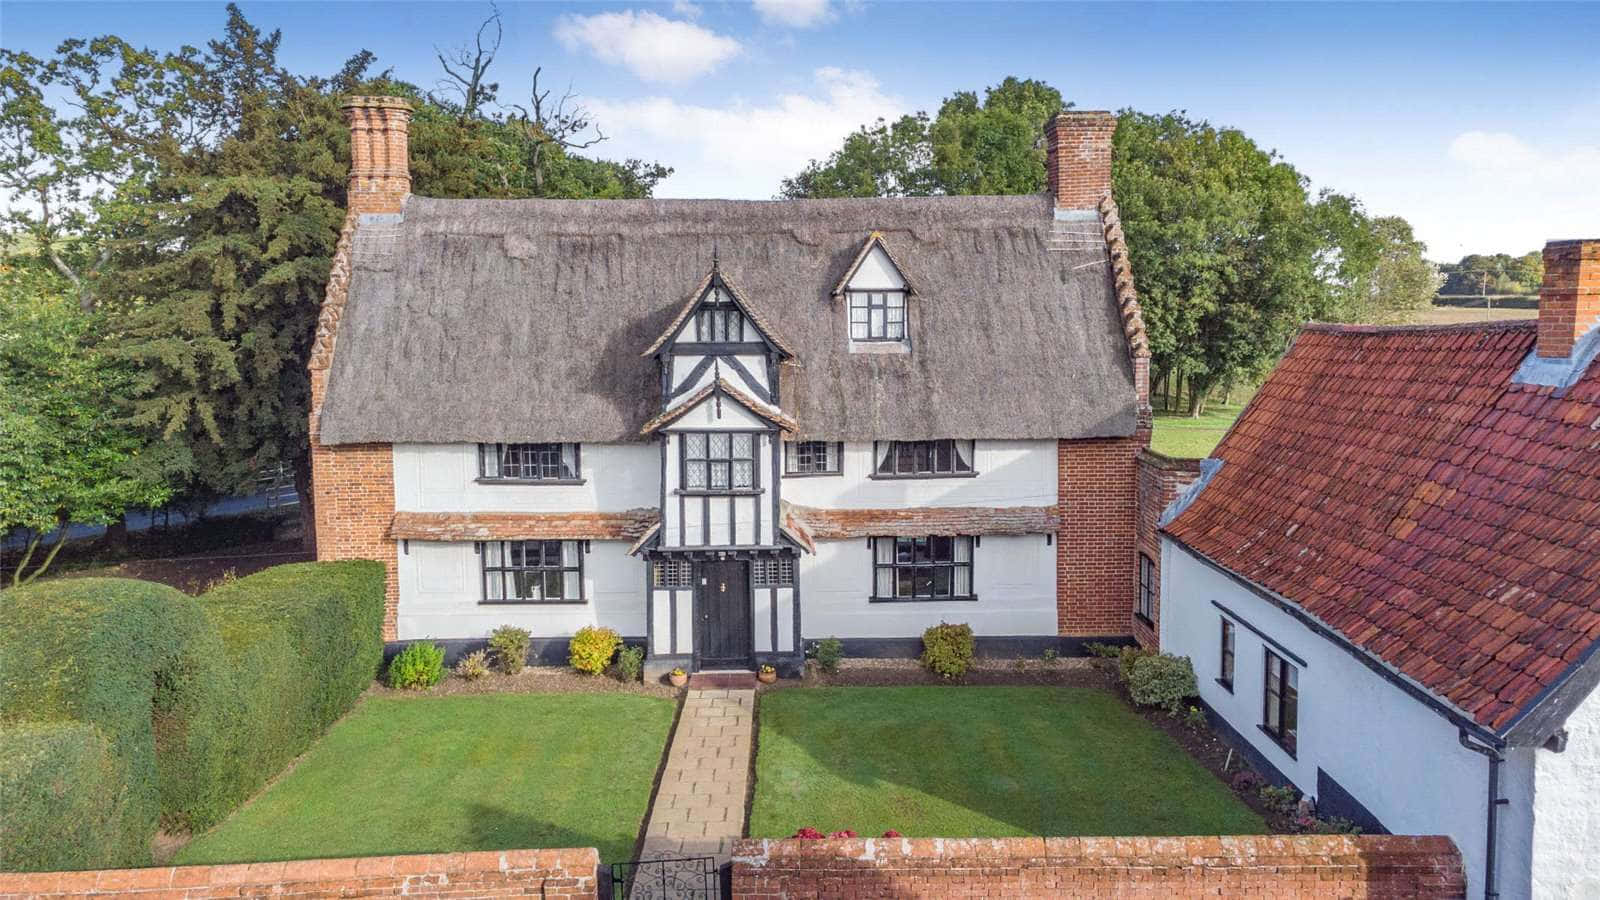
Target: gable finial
point(714, 261)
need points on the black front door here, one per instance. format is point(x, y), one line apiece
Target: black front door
point(723, 606)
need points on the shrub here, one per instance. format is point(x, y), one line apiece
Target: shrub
point(1195, 718)
point(418, 667)
point(592, 648)
point(1247, 780)
point(510, 647)
point(1164, 681)
point(1282, 798)
point(829, 652)
point(1126, 658)
point(64, 797)
point(473, 666)
point(630, 664)
point(947, 649)
point(1104, 651)
point(1050, 653)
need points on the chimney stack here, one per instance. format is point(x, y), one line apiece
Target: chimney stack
point(1078, 157)
point(380, 156)
point(1569, 301)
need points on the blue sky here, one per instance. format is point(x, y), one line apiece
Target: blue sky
point(1479, 123)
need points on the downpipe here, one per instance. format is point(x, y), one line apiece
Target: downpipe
point(1490, 889)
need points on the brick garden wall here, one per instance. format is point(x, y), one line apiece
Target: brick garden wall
point(1161, 479)
point(1378, 866)
point(551, 874)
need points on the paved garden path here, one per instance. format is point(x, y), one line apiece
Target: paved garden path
point(699, 808)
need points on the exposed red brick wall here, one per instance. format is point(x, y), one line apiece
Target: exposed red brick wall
point(551, 874)
point(1096, 565)
point(1078, 157)
point(1266, 866)
point(1569, 301)
point(380, 160)
point(1161, 479)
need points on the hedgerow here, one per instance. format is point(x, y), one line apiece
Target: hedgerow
point(64, 798)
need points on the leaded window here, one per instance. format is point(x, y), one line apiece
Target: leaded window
point(813, 458)
point(719, 321)
point(1280, 717)
point(528, 462)
point(1146, 606)
point(532, 572)
point(922, 568)
point(923, 459)
point(719, 461)
point(673, 573)
point(877, 315)
point(772, 572)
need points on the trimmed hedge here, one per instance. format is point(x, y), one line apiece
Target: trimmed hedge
point(199, 702)
point(63, 796)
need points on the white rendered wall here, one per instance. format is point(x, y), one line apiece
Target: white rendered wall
point(683, 367)
point(1015, 579)
point(876, 273)
point(443, 478)
point(1566, 809)
point(1398, 757)
point(441, 594)
point(1010, 473)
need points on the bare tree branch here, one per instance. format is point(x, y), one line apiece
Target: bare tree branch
point(466, 68)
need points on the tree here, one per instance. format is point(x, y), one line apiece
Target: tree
point(64, 454)
point(1404, 280)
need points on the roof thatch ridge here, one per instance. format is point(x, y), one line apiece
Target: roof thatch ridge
point(1122, 275)
point(875, 239)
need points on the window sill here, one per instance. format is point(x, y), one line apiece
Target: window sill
point(1274, 738)
point(532, 602)
point(742, 492)
point(1225, 685)
point(970, 599)
point(812, 474)
point(538, 481)
point(879, 476)
point(1144, 620)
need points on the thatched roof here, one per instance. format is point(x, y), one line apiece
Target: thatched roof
point(502, 320)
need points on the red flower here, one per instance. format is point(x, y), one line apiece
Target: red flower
point(847, 833)
point(808, 834)
point(892, 833)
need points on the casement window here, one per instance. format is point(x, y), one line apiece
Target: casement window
point(922, 568)
point(877, 315)
point(528, 462)
point(719, 462)
point(813, 458)
point(1146, 602)
point(532, 572)
point(922, 459)
point(772, 572)
point(1225, 669)
point(1280, 715)
point(672, 573)
point(719, 321)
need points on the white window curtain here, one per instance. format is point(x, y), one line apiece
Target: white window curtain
point(962, 549)
point(884, 547)
point(573, 589)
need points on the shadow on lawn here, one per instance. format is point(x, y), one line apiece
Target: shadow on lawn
point(493, 828)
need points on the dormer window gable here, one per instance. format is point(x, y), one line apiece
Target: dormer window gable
point(875, 290)
point(718, 313)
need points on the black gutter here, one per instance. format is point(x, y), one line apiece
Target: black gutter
point(1495, 802)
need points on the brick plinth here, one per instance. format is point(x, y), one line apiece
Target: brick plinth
point(1264, 866)
point(1161, 479)
point(1569, 301)
point(1078, 157)
point(551, 874)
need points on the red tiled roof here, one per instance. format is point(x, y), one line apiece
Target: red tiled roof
point(507, 526)
point(1395, 484)
point(918, 521)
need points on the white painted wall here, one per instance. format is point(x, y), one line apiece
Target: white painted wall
point(1010, 473)
point(443, 478)
point(1015, 579)
point(1399, 758)
point(683, 367)
point(1566, 810)
point(876, 273)
point(441, 594)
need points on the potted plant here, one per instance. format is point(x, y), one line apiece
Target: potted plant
point(767, 675)
point(678, 677)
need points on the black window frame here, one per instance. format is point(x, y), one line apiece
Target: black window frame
point(775, 571)
point(879, 300)
point(717, 313)
point(530, 472)
point(543, 568)
point(1286, 699)
point(1227, 653)
point(898, 564)
point(792, 451)
point(713, 463)
point(900, 450)
point(672, 574)
point(1144, 608)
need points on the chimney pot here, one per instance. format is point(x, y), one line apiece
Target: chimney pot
point(380, 155)
point(1569, 300)
point(1078, 157)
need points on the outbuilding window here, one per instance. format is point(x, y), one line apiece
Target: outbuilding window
point(938, 567)
point(1146, 603)
point(877, 315)
point(1280, 715)
point(1225, 673)
point(922, 459)
point(528, 462)
point(532, 572)
point(719, 462)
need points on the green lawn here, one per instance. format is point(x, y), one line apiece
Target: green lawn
point(485, 772)
point(1177, 434)
point(981, 762)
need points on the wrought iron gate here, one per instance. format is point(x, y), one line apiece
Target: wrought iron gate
point(687, 878)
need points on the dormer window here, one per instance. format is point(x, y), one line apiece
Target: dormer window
point(877, 315)
point(719, 321)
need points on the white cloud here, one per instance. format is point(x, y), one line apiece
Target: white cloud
point(795, 13)
point(652, 47)
point(1508, 156)
point(686, 9)
point(744, 150)
point(1499, 192)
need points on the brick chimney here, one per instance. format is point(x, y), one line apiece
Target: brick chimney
point(1078, 157)
point(380, 156)
point(1569, 302)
